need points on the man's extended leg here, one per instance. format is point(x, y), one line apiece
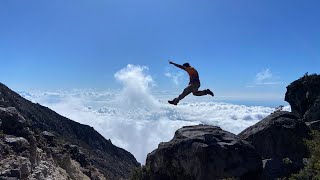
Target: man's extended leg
point(185, 92)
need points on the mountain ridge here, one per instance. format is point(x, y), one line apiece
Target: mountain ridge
point(112, 161)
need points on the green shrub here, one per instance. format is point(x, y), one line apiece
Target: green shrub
point(312, 169)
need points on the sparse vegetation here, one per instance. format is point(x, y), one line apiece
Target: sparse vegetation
point(278, 109)
point(306, 75)
point(286, 161)
point(312, 169)
point(1, 134)
point(141, 173)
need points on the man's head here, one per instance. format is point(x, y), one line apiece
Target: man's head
point(186, 65)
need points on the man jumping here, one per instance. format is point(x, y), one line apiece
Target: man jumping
point(193, 86)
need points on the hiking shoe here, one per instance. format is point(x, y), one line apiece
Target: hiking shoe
point(172, 102)
point(209, 92)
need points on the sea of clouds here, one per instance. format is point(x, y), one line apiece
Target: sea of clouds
point(137, 119)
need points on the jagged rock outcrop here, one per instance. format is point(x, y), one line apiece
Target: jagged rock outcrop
point(303, 95)
point(280, 135)
point(37, 143)
point(279, 139)
point(203, 152)
point(313, 113)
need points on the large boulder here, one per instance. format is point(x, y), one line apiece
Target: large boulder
point(204, 152)
point(19, 144)
point(280, 135)
point(304, 95)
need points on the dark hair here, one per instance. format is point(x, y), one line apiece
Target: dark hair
point(186, 65)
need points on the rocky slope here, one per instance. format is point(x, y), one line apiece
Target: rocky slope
point(271, 149)
point(37, 143)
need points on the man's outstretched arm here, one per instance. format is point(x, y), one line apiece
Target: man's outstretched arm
point(177, 65)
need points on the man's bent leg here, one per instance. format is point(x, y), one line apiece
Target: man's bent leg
point(200, 93)
point(185, 92)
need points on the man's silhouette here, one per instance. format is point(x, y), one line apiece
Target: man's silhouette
point(193, 86)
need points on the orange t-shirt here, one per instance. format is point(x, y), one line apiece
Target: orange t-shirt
point(193, 74)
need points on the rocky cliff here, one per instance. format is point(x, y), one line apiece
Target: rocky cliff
point(271, 149)
point(37, 143)
point(303, 95)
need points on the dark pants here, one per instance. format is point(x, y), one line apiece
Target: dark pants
point(191, 88)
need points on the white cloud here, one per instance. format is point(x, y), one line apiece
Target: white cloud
point(176, 78)
point(136, 86)
point(269, 83)
point(137, 120)
point(265, 77)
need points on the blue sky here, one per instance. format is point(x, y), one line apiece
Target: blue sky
point(246, 47)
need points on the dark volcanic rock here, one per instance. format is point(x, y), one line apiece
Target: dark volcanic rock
point(77, 154)
point(314, 125)
point(46, 132)
point(48, 136)
point(278, 136)
point(304, 95)
point(313, 112)
point(204, 152)
point(12, 122)
point(279, 168)
point(18, 143)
